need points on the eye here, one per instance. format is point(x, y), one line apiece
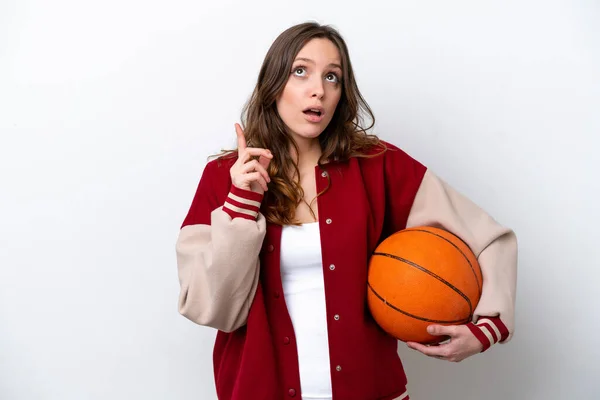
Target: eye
point(331, 77)
point(299, 71)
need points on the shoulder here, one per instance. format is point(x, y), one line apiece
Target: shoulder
point(388, 155)
point(220, 166)
point(223, 162)
point(216, 176)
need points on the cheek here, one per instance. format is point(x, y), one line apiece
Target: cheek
point(339, 96)
point(286, 101)
point(334, 98)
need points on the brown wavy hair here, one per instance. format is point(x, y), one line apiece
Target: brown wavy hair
point(343, 138)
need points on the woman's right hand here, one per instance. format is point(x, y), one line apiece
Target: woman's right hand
point(247, 173)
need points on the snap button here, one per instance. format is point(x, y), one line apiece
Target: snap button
point(276, 295)
point(328, 221)
point(286, 340)
point(292, 392)
point(332, 267)
point(338, 368)
point(324, 174)
point(336, 317)
point(270, 248)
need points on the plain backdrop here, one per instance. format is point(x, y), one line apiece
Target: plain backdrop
point(109, 109)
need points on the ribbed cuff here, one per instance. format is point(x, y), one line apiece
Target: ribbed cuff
point(489, 331)
point(242, 203)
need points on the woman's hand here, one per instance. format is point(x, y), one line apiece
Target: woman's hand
point(247, 173)
point(462, 343)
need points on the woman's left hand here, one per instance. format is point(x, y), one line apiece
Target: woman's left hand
point(462, 343)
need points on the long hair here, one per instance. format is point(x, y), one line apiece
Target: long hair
point(344, 137)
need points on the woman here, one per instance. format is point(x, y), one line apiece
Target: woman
point(274, 250)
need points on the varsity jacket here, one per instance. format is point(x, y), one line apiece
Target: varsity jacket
point(228, 266)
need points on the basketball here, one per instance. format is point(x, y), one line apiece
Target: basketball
point(422, 276)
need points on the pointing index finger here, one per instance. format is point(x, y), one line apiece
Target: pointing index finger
point(241, 139)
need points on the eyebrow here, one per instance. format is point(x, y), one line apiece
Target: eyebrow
point(311, 61)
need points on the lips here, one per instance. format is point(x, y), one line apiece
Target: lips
point(314, 114)
point(314, 110)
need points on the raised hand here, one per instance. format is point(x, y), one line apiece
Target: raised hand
point(248, 173)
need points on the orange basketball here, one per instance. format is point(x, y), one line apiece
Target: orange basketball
point(422, 276)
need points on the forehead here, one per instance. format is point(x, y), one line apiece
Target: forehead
point(321, 51)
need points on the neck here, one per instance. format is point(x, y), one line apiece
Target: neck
point(309, 152)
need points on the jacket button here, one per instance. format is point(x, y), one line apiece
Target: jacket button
point(286, 340)
point(292, 392)
point(324, 174)
point(270, 248)
point(332, 267)
point(338, 368)
point(336, 317)
point(328, 221)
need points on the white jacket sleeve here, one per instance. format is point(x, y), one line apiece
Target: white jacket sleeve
point(218, 257)
point(439, 205)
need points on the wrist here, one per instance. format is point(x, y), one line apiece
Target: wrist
point(489, 331)
point(242, 203)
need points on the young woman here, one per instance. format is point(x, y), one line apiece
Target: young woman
point(274, 250)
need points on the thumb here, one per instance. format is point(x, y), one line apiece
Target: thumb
point(441, 330)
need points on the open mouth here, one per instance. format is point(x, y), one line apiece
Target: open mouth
point(313, 111)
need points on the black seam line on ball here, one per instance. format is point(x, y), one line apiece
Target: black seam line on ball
point(455, 246)
point(416, 316)
point(412, 264)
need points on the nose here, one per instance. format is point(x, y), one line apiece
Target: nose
point(317, 89)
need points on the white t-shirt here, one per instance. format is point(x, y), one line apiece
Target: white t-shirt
point(304, 292)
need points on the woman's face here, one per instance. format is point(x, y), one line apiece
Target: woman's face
point(312, 91)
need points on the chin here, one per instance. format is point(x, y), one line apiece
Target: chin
point(310, 132)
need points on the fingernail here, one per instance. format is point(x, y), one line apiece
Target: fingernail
point(430, 329)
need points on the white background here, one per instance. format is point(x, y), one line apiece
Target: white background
point(109, 109)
